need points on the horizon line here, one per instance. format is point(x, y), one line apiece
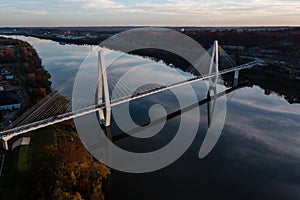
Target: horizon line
point(173, 26)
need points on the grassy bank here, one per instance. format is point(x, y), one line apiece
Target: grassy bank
point(17, 176)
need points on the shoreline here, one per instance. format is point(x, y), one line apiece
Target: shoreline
point(261, 77)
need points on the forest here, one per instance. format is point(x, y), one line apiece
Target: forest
point(7, 55)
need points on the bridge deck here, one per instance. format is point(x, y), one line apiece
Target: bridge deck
point(64, 117)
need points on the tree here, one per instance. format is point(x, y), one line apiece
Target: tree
point(70, 172)
point(237, 59)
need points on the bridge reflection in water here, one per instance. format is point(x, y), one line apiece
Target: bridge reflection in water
point(209, 101)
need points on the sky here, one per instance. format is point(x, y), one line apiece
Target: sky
point(150, 12)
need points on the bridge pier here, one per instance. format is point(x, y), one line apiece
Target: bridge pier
point(212, 97)
point(214, 65)
point(212, 90)
point(5, 142)
point(236, 78)
point(103, 90)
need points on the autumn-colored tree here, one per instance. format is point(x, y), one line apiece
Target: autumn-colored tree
point(70, 172)
point(7, 55)
point(36, 78)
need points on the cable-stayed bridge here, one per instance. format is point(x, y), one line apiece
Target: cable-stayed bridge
point(55, 108)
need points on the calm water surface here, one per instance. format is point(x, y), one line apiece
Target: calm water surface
point(257, 156)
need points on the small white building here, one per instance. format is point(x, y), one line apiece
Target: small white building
point(9, 77)
point(10, 106)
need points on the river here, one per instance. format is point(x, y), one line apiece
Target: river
point(256, 157)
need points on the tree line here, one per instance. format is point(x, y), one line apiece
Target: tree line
point(35, 77)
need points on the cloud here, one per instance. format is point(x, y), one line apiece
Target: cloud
point(98, 4)
point(214, 9)
point(24, 11)
point(163, 12)
point(19, 7)
point(269, 120)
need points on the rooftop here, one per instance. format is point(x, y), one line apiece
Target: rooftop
point(6, 69)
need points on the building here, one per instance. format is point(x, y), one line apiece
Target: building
point(9, 101)
point(7, 46)
point(6, 70)
point(234, 48)
point(9, 77)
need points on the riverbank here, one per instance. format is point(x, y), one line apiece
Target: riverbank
point(20, 177)
point(26, 66)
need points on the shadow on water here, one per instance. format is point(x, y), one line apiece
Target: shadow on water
point(172, 115)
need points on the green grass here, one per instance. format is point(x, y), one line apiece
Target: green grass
point(22, 164)
point(17, 175)
point(18, 68)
